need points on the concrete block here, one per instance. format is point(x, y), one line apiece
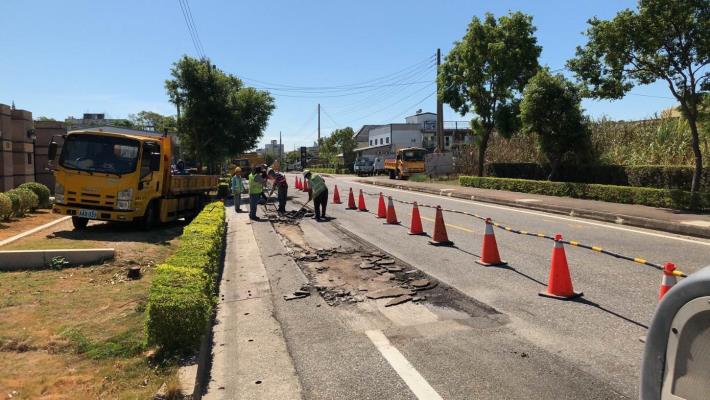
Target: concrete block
point(39, 259)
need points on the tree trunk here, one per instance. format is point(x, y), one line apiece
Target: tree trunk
point(482, 151)
point(695, 144)
point(554, 169)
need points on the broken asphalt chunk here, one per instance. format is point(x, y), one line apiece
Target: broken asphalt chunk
point(398, 300)
point(389, 292)
point(420, 283)
point(386, 261)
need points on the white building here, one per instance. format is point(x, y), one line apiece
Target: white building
point(274, 148)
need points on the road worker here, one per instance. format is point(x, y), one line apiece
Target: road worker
point(318, 192)
point(237, 189)
point(278, 183)
point(256, 190)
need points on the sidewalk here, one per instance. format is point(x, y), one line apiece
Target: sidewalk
point(673, 221)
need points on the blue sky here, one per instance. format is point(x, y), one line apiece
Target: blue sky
point(64, 58)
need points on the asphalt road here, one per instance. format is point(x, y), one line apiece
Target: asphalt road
point(597, 335)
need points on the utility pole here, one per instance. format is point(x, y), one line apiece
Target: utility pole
point(439, 109)
point(318, 142)
point(280, 150)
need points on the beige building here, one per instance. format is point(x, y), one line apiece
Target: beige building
point(45, 132)
point(17, 155)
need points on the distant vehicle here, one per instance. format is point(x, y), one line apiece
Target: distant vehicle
point(407, 162)
point(363, 166)
point(112, 176)
point(247, 162)
point(378, 165)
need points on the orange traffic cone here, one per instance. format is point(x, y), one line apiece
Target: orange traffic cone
point(381, 208)
point(668, 280)
point(304, 185)
point(489, 252)
point(297, 185)
point(336, 196)
point(440, 238)
point(351, 201)
point(415, 228)
point(361, 202)
point(391, 214)
point(559, 284)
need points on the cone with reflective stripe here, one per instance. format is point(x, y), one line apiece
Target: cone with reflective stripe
point(381, 208)
point(361, 202)
point(336, 196)
point(559, 284)
point(415, 228)
point(489, 251)
point(441, 238)
point(668, 280)
point(391, 214)
point(351, 201)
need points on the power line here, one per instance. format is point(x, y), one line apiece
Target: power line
point(194, 27)
point(191, 29)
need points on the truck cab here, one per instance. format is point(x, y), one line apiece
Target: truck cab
point(407, 162)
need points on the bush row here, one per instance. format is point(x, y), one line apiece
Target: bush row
point(667, 198)
point(183, 292)
point(23, 199)
point(653, 176)
point(324, 170)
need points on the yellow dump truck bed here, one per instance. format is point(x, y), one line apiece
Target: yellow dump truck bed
point(181, 184)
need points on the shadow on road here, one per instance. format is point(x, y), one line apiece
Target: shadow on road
point(597, 305)
point(125, 232)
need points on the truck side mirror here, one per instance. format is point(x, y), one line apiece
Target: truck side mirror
point(52, 149)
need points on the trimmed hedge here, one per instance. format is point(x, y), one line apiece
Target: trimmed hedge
point(5, 206)
point(40, 190)
point(27, 201)
point(666, 198)
point(15, 200)
point(324, 170)
point(182, 294)
point(653, 176)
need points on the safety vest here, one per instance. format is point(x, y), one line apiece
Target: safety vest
point(254, 186)
point(317, 185)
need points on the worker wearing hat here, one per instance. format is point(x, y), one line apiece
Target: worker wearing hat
point(237, 189)
point(318, 192)
point(278, 183)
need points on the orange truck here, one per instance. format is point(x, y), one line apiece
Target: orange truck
point(407, 162)
point(247, 162)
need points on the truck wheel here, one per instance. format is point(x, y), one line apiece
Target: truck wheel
point(392, 175)
point(79, 223)
point(150, 217)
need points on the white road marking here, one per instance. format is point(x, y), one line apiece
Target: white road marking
point(416, 382)
point(540, 214)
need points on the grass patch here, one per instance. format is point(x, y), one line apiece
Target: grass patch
point(126, 344)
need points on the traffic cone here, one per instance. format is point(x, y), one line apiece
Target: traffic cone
point(336, 196)
point(489, 251)
point(440, 236)
point(361, 202)
point(559, 284)
point(304, 185)
point(415, 228)
point(668, 280)
point(391, 214)
point(297, 185)
point(381, 208)
point(351, 200)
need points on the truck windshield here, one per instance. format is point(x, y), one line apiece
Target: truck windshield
point(413, 155)
point(95, 153)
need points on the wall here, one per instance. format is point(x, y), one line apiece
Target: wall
point(406, 135)
point(16, 157)
point(45, 130)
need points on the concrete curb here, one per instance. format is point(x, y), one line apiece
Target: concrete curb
point(32, 231)
point(620, 219)
point(39, 259)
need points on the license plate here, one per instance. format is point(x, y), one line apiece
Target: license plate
point(87, 213)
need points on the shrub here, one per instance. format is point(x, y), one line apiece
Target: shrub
point(40, 190)
point(15, 200)
point(667, 198)
point(222, 190)
point(181, 297)
point(5, 206)
point(28, 200)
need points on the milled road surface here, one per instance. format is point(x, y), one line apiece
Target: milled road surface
point(596, 339)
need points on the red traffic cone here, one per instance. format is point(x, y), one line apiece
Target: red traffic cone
point(351, 201)
point(381, 208)
point(559, 284)
point(668, 280)
point(415, 228)
point(297, 185)
point(336, 196)
point(391, 214)
point(489, 251)
point(304, 185)
point(361, 202)
point(441, 238)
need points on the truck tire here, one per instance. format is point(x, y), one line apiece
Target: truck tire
point(79, 223)
point(150, 217)
point(392, 174)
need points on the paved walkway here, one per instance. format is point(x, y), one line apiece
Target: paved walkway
point(685, 223)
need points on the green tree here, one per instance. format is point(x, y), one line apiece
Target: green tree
point(150, 120)
point(487, 70)
point(219, 116)
point(293, 156)
point(340, 141)
point(43, 118)
point(664, 40)
point(551, 109)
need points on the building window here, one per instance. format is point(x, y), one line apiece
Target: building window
point(388, 140)
point(29, 158)
point(370, 142)
point(381, 142)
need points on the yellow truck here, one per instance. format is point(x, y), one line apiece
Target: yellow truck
point(407, 162)
point(247, 162)
point(124, 177)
